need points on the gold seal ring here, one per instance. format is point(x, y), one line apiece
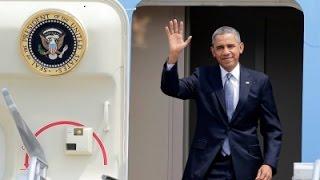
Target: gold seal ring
point(52, 42)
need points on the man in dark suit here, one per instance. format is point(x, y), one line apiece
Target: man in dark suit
point(231, 100)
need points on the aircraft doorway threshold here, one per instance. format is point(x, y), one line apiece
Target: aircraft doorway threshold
point(221, 3)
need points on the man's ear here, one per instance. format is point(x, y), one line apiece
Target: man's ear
point(212, 51)
point(241, 47)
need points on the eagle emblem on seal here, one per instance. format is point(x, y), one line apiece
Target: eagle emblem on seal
point(52, 40)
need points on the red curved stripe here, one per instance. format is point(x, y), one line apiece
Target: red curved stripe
point(73, 123)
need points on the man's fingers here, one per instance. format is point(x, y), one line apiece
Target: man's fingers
point(167, 31)
point(175, 26)
point(181, 28)
point(171, 27)
point(263, 175)
point(268, 177)
point(174, 29)
point(188, 40)
point(258, 175)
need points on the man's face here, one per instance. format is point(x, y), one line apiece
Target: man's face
point(226, 49)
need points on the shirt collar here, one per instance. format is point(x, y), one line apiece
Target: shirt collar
point(235, 72)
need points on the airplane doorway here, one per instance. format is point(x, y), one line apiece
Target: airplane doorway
point(273, 38)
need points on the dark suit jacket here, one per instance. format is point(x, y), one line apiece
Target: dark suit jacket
point(256, 103)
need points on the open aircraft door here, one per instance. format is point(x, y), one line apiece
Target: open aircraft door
point(273, 34)
point(65, 64)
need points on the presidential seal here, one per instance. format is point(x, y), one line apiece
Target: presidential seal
point(52, 42)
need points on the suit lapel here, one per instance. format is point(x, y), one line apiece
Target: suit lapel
point(244, 88)
point(218, 92)
point(217, 86)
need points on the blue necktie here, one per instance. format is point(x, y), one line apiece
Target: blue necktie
point(229, 96)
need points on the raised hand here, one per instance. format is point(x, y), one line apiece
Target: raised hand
point(175, 33)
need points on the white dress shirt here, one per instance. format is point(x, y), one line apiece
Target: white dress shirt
point(169, 66)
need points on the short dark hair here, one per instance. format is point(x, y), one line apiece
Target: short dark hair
point(226, 30)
